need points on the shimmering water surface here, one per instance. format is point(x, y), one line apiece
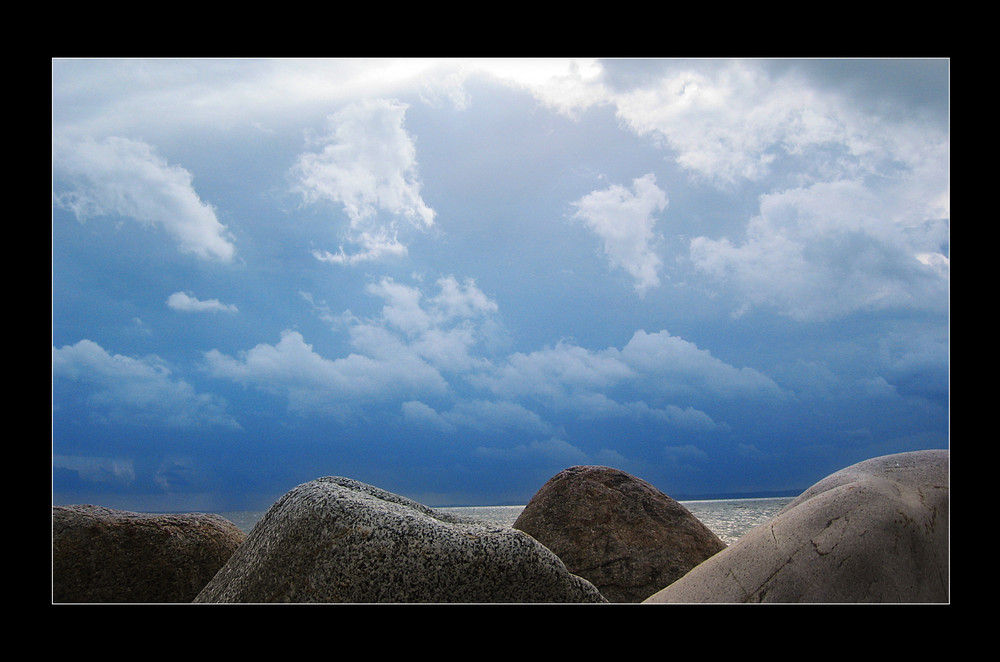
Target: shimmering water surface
point(731, 518)
point(727, 518)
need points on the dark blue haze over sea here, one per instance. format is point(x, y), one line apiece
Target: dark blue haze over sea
point(727, 518)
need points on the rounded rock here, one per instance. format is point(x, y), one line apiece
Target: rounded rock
point(335, 539)
point(876, 531)
point(106, 555)
point(617, 531)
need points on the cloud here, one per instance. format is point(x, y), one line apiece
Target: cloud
point(106, 470)
point(98, 96)
point(315, 383)
point(402, 309)
point(654, 377)
point(375, 246)
point(726, 121)
point(555, 374)
point(124, 389)
point(592, 406)
point(123, 177)
point(461, 300)
point(734, 122)
point(855, 190)
point(399, 355)
point(366, 163)
point(425, 346)
point(565, 85)
point(177, 474)
point(917, 362)
point(443, 329)
point(624, 221)
point(187, 303)
point(687, 456)
point(656, 365)
point(480, 415)
point(832, 248)
point(855, 204)
point(552, 448)
point(455, 301)
point(423, 415)
point(740, 121)
point(668, 364)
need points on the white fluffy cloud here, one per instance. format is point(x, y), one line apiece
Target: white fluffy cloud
point(855, 206)
point(402, 354)
point(624, 220)
point(122, 177)
point(669, 364)
point(315, 383)
point(830, 249)
point(651, 368)
point(565, 85)
point(442, 330)
point(556, 373)
point(186, 303)
point(657, 363)
point(373, 246)
point(366, 162)
point(124, 389)
point(735, 122)
point(426, 348)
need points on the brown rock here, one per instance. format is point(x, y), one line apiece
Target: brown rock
point(105, 555)
point(617, 531)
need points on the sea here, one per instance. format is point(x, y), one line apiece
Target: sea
point(727, 518)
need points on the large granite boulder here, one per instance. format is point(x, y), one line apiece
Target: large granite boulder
point(106, 555)
point(339, 540)
point(617, 531)
point(876, 531)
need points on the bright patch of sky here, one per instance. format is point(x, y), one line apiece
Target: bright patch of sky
point(454, 278)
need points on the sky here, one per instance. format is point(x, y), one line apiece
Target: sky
point(452, 279)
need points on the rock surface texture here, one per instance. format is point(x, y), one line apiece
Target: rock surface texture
point(876, 531)
point(338, 540)
point(105, 555)
point(617, 531)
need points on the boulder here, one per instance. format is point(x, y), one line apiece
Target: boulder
point(876, 531)
point(339, 540)
point(106, 555)
point(617, 531)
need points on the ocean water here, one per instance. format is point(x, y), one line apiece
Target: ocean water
point(727, 518)
point(731, 518)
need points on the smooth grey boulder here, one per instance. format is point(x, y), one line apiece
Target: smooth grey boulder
point(617, 531)
point(876, 531)
point(335, 539)
point(106, 555)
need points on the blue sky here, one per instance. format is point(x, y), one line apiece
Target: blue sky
point(454, 278)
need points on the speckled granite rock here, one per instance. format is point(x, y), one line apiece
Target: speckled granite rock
point(106, 555)
point(338, 540)
point(876, 531)
point(617, 531)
